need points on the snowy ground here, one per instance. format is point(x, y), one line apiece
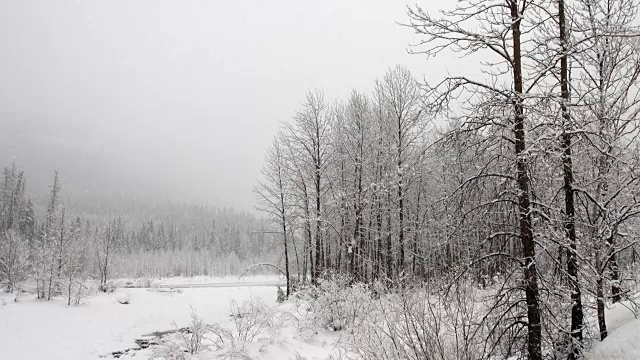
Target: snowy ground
point(33, 329)
point(623, 342)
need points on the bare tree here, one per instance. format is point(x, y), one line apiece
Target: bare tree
point(310, 132)
point(577, 315)
point(274, 197)
point(75, 266)
point(106, 246)
point(45, 257)
point(15, 265)
point(352, 148)
point(500, 34)
point(403, 102)
point(606, 86)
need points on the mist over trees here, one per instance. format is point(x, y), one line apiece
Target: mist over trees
point(60, 247)
point(523, 180)
point(505, 203)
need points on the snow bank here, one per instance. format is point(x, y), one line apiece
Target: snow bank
point(623, 341)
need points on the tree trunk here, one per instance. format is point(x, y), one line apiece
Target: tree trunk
point(602, 323)
point(577, 315)
point(286, 260)
point(389, 256)
point(400, 267)
point(284, 236)
point(379, 253)
point(312, 269)
point(318, 260)
point(616, 289)
point(526, 232)
point(417, 230)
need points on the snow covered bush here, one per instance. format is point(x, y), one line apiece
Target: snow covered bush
point(280, 297)
point(143, 283)
point(110, 287)
point(169, 350)
point(251, 318)
point(337, 305)
point(123, 298)
point(410, 323)
point(220, 336)
point(193, 341)
point(183, 341)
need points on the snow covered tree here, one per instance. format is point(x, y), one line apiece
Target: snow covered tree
point(15, 265)
point(75, 268)
point(107, 243)
point(403, 105)
point(45, 254)
point(309, 135)
point(274, 193)
point(16, 229)
point(606, 83)
point(496, 113)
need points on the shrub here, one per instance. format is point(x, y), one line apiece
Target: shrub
point(336, 305)
point(280, 296)
point(192, 342)
point(251, 318)
point(414, 324)
point(109, 287)
point(143, 283)
point(169, 350)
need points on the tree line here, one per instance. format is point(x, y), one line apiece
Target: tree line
point(523, 179)
point(57, 249)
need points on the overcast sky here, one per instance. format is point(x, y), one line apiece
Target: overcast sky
point(188, 94)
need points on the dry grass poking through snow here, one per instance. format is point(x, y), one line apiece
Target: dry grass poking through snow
point(255, 331)
point(251, 318)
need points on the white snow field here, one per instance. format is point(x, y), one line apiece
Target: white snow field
point(35, 329)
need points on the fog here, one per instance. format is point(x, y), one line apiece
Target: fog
point(177, 99)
